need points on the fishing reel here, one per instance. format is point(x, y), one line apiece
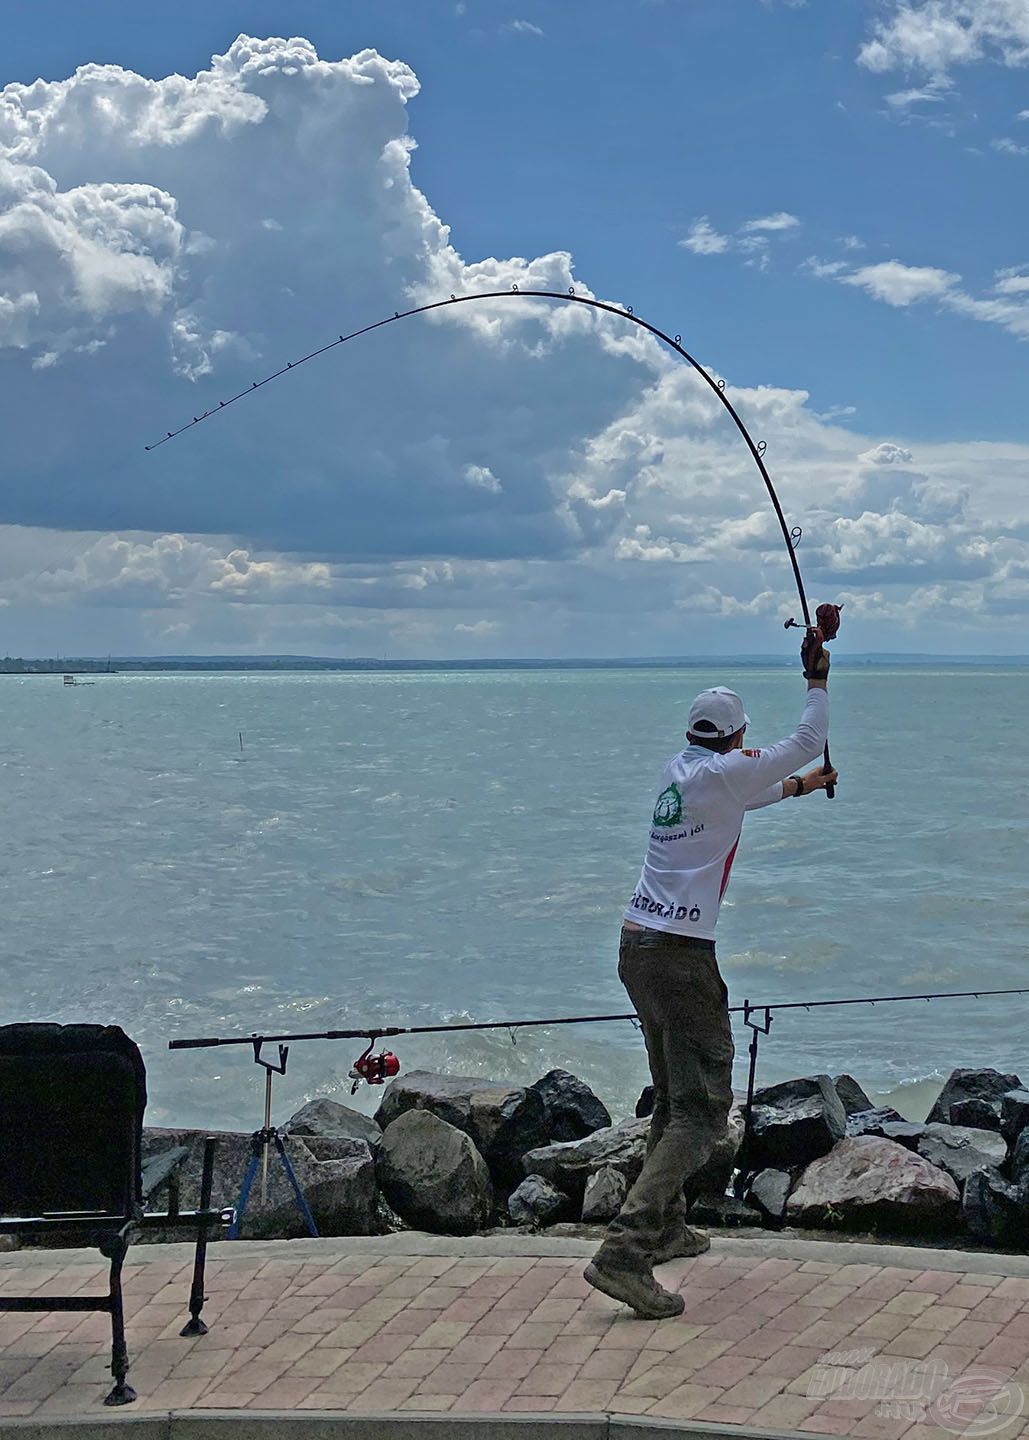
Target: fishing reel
point(827, 622)
point(373, 1069)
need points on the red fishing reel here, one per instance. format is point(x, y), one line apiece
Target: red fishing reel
point(826, 626)
point(374, 1069)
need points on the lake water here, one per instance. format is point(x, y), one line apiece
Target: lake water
point(417, 848)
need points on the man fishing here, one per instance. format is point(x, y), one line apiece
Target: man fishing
point(667, 963)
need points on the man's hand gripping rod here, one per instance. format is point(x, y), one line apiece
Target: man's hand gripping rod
point(825, 628)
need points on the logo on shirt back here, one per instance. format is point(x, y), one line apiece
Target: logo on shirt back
point(668, 810)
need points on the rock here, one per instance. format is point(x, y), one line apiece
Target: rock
point(871, 1122)
point(976, 1114)
point(866, 1181)
point(725, 1210)
point(505, 1123)
point(769, 1190)
point(606, 1189)
point(570, 1108)
point(503, 1120)
point(387, 1219)
point(337, 1177)
point(1014, 1114)
point(960, 1151)
point(714, 1175)
point(1018, 1165)
point(570, 1164)
point(904, 1132)
point(330, 1120)
point(993, 1209)
point(794, 1123)
point(852, 1097)
point(712, 1179)
point(536, 1202)
point(988, 1085)
point(433, 1176)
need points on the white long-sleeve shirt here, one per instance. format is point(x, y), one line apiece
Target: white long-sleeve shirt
point(698, 818)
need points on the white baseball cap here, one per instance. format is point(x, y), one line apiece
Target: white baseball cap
point(716, 714)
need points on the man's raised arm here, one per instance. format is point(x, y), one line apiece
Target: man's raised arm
point(751, 777)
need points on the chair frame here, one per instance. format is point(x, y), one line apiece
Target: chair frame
point(112, 1231)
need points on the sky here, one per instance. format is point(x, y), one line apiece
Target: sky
point(827, 200)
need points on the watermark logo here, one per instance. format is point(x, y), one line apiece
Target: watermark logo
point(976, 1403)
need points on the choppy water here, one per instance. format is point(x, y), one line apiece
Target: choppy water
point(409, 848)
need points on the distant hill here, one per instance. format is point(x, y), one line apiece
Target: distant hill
point(91, 665)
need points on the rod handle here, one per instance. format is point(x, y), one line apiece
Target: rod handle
point(830, 790)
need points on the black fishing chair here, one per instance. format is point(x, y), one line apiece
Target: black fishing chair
point(72, 1099)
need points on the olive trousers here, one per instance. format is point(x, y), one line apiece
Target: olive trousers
point(683, 1005)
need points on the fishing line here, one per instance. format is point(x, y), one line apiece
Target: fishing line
point(791, 538)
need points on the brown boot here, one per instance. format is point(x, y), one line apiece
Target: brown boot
point(637, 1289)
point(683, 1245)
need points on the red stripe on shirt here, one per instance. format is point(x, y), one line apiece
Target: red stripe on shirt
point(728, 867)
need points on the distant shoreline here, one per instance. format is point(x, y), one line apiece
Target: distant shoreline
point(271, 664)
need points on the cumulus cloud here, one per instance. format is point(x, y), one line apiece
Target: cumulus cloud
point(752, 237)
point(781, 220)
point(702, 239)
point(886, 454)
point(482, 477)
point(478, 627)
point(937, 35)
point(900, 285)
point(1006, 146)
point(509, 474)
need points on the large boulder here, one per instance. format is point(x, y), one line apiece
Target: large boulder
point(769, 1191)
point(852, 1097)
point(503, 1120)
point(994, 1210)
point(645, 1104)
point(975, 1113)
point(794, 1123)
point(989, 1086)
point(433, 1176)
point(570, 1108)
point(871, 1122)
point(604, 1195)
point(726, 1211)
point(712, 1179)
point(1014, 1114)
point(536, 1202)
point(904, 1132)
point(1018, 1164)
point(329, 1120)
point(960, 1151)
point(570, 1164)
point(867, 1182)
point(337, 1177)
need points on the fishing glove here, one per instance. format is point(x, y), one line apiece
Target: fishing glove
point(815, 657)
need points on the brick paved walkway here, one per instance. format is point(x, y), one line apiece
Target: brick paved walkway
point(336, 1325)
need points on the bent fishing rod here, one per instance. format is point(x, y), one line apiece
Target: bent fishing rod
point(828, 616)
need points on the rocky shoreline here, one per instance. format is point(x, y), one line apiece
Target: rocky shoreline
point(461, 1155)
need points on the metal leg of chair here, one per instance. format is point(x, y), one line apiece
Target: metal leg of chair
point(194, 1325)
point(121, 1394)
